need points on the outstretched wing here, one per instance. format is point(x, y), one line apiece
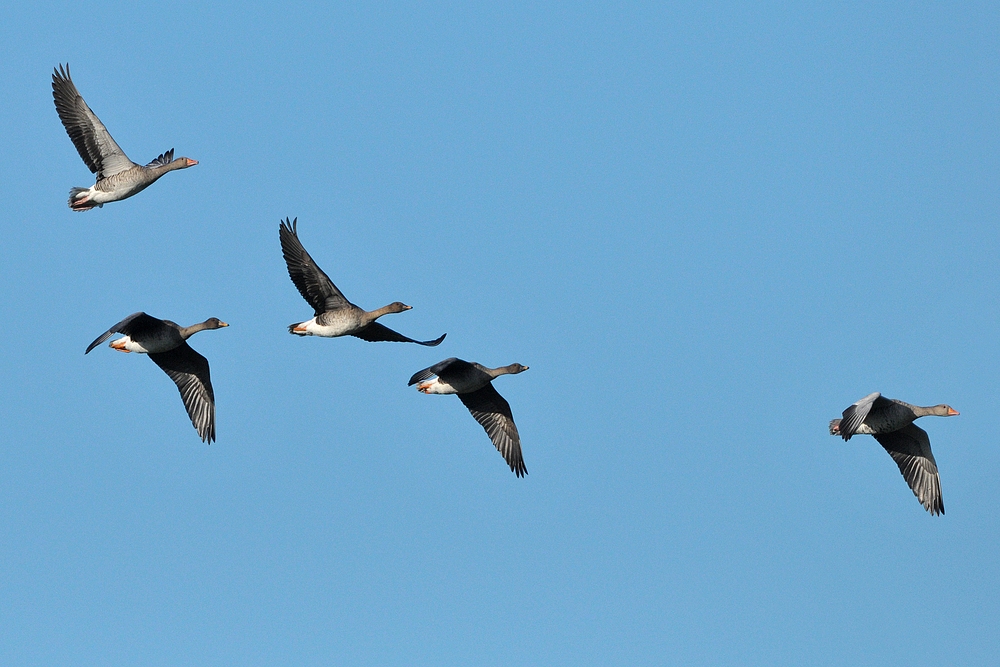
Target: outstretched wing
point(314, 285)
point(437, 369)
point(376, 333)
point(189, 371)
point(134, 325)
point(492, 411)
point(855, 415)
point(910, 448)
point(92, 140)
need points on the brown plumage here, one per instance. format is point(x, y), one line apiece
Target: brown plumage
point(890, 422)
point(117, 176)
point(334, 314)
point(166, 344)
point(473, 384)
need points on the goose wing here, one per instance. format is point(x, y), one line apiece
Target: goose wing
point(133, 326)
point(314, 285)
point(438, 368)
point(162, 160)
point(910, 448)
point(493, 413)
point(855, 415)
point(92, 140)
point(377, 333)
point(189, 371)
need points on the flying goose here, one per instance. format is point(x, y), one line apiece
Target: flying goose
point(890, 421)
point(473, 384)
point(166, 344)
point(335, 315)
point(117, 176)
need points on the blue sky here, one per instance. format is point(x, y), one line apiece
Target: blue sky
point(707, 228)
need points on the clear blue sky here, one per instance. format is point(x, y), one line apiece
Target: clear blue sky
point(707, 228)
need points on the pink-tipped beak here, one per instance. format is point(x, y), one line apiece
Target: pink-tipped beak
point(191, 162)
point(952, 412)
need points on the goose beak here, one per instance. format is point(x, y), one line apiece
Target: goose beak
point(191, 162)
point(223, 324)
point(952, 412)
point(405, 307)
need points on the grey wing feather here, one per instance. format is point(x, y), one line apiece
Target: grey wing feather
point(492, 411)
point(189, 371)
point(92, 140)
point(162, 159)
point(910, 448)
point(314, 285)
point(436, 369)
point(133, 325)
point(855, 415)
point(377, 333)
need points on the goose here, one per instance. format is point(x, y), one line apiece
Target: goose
point(473, 384)
point(890, 421)
point(166, 344)
point(334, 314)
point(117, 176)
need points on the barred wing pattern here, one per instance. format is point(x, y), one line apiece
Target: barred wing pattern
point(314, 285)
point(92, 140)
point(189, 371)
point(910, 448)
point(492, 411)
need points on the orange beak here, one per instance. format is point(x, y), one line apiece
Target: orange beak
point(952, 412)
point(191, 162)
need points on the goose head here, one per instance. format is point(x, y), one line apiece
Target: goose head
point(397, 307)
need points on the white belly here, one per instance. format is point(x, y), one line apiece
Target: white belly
point(126, 344)
point(162, 343)
point(436, 386)
point(331, 327)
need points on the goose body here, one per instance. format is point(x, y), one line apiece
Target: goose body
point(117, 176)
point(334, 315)
point(890, 422)
point(473, 383)
point(332, 324)
point(166, 344)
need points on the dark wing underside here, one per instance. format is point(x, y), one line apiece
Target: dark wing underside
point(314, 285)
point(92, 140)
point(134, 326)
point(910, 448)
point(492, 411)
point(376, 333)
point(437, 369)
point(189, 371)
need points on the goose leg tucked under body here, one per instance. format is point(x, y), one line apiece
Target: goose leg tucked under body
point(472, 383)
point(890, 422)
point(166, 344)
point(334, 314)
point(117, 176)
